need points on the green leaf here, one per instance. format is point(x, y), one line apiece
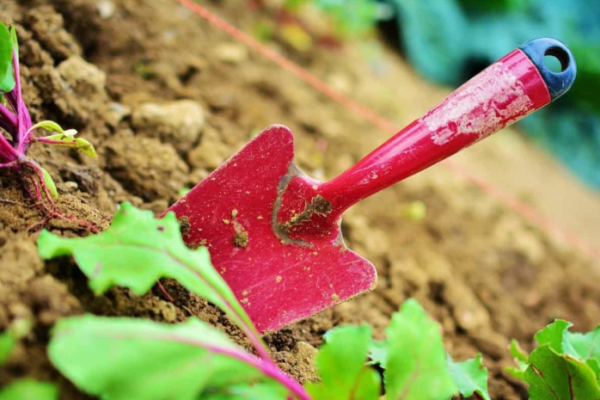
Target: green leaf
point(136, 251)
point(261, 391)
point(342, 369)
point(517, 352)
point(559, 377)
point(520, 358)
point(49, 126)
point(555, 335)
point(585, 345)
point(470, 376)
point(378, 352)
point(29, 389)
point(49, 182)
point(7, 344)
point(14, 39)
point(416, 363)
point(7, 80)
point(126, 358)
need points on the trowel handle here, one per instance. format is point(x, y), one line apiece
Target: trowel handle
point(508, 90)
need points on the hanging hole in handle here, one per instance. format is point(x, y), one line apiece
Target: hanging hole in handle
point(556, 60)
point(558, 78)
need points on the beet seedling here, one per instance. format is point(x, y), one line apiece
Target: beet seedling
point(126, 358)
point(564, 365)
point(17, 128)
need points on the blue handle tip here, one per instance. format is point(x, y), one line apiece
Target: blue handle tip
point(558, 82)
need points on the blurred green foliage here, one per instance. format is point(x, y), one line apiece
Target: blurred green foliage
point(448, 41)
point(350, 17)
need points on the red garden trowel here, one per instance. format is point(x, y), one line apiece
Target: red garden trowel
point(274, 233)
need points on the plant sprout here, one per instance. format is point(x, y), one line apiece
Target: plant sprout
point(17, 129)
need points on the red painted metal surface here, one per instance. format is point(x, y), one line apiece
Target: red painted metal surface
point(274, 233)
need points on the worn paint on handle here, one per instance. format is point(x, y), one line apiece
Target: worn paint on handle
point(483, 106)
point(505, 92)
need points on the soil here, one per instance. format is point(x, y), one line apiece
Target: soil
point(166, 98)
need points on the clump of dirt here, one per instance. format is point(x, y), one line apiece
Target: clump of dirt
point(166, 99)
point(241, 239)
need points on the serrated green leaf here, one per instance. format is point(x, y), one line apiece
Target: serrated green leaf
point(555, 335)
point(559, 377)
point(7, 81)
point(126, 358)
point(49, 182)
point(470, 376)
point(585, 345)
point(29, 389)
point(342, 369)
point(416, 363)
point(7, 344)
point(261, 391)
point(136, 251)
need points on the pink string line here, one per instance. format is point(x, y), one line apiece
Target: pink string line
point(526, 211)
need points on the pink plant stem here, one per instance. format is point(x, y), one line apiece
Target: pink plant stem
point(55, 142)
point(23, 118)
point(248, 329)
point(38, 171)
point(268, 368)
point(11, 164)
point(7, 152)
point(252, 335)
point(165, 291)
point(8, 120)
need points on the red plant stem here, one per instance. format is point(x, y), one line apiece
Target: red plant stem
point(8, 120)
point(252, 335)
point(267, 367)
point(23, 117)
point(165, 291)
point(38, 171)
point(11, 164)
point(36, 186)
point(8, 153)
point(11, 97)
point(55, 142)
point(7, 127)
point(247, 327)
point(271, 370)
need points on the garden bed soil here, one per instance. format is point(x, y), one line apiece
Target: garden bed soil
point(481, 270)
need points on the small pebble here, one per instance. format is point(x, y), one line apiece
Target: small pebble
point(106, 9)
